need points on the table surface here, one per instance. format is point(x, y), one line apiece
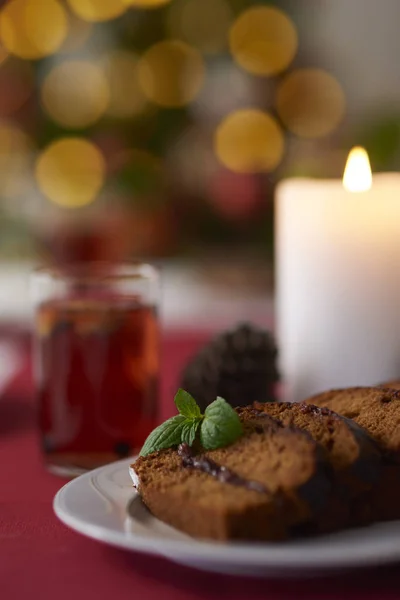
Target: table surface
point(41, 559)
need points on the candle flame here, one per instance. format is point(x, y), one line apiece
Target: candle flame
point(357, 174)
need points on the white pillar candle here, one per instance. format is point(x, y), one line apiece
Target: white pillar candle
point(338, 281)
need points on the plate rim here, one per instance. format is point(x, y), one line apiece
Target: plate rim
point(283, 556)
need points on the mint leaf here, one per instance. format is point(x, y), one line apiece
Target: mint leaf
point(164, 436)
point(186, 404)
point(221, 425)
point(189, 431)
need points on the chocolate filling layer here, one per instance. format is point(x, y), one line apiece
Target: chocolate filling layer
point(223, 474)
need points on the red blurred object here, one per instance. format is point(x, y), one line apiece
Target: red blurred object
point(97, 389)
point(236, 196)
point(113, 236)
point(103, 237)
point(153, 233)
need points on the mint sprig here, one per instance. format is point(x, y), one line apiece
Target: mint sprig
point(187, 405)
point(218, 426)
point(189, 432)
point(221, 425)
point(165, 435)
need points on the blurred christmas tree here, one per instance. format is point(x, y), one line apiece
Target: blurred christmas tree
point(162, 123)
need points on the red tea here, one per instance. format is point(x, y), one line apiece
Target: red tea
point(97, 379)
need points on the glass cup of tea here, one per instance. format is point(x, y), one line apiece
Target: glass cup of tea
point(96, 362)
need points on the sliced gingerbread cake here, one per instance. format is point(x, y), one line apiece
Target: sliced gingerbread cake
point(394, 384)
point(375, 409)
point(378, 411)
point(351, 452)
point(272, 481)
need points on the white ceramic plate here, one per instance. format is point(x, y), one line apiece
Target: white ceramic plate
point(103, 505)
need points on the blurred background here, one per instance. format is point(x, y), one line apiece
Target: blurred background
point(157, 129)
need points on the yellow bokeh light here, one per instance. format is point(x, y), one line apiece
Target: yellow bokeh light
point(146, 3)
point(310, 102)
point(75, 93)
point(70, 172)
point(126, 96)
point(98, 10)
point(15, 160)
point(202, 23)
point(249, 141)
point(171, 73)
point(263, 40)
point(32, 29)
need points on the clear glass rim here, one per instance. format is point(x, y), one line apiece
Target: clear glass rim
point(98, 271)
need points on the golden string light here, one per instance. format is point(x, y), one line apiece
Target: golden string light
point(70, 172)
point(126, 96)
point(31, 29)
point(310, 102)
point(171, 73)
point(98, 10)
point(202, 23)
point(249, 141)
point(263, 40)
point(75, 93)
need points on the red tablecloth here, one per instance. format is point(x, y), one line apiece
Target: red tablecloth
point(41, 559)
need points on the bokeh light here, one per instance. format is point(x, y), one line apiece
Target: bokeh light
point(75, 93)
point(310, 102)
point(202, 23)
point(146, 3)
point(126, 96)
point(16, 85)
point(249, 141)
point(263, 40)
point(33, 29)
point(70, 172)
point(171, 73)
point(98, 10)
point(15, 160)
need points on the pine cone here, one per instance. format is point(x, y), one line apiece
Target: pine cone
point(238, 365)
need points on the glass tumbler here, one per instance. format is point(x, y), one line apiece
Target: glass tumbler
point(96, 356)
